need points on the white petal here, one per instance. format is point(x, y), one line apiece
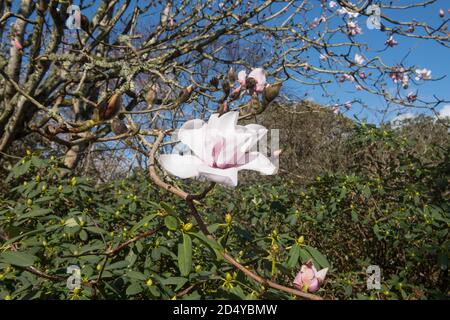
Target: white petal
point(259, 162)
point(320, 275)
point(224, 125)
point(242, 75)
point(197, 138)
point(186, 166)
point(226, 177)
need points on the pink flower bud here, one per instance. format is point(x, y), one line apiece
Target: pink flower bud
point(309, 279)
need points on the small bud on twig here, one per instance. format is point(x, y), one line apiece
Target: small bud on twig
point(111, 108)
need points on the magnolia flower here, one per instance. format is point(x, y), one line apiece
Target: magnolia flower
point(348, 105)
point(362, 75)
point(332, 4)
point(317, 21)
point(423, 74)
point(391, 42)
point(400, 76)
point(353, 28)
point(309, 279)
point(405, 81)
point(411, 97)
point(359, 59)
point(257, 74)
point(335, 109)
point(323, 57)
point(346, 77)
point(220, 149)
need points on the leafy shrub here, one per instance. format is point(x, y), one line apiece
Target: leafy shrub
point(132, 240)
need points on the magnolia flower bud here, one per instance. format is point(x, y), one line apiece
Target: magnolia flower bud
point(309, 279)
point(250, 84)
point(151, 94)
point(184, 95)
point(271, 92)
point(214, 82)
point(441, 13)
point(256, 105)
point(118, 127)
point(223, 108)
point(232, 76)
point(85, 24)
point(110, 108)
point(226, 87)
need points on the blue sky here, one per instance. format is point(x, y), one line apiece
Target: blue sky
point(423, 54)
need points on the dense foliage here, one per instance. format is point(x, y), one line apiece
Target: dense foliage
point(132, 240)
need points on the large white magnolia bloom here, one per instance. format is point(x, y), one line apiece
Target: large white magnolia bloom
point(220, 149)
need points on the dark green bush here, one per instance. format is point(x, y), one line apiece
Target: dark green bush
point(392, 211)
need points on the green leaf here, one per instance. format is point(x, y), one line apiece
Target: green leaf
point(83, 235)
point(294, 254)
point(213, 245)
point(304, 255)
point(96, 230)
point(134, 289)
point(136, 275)
point(36, 212)
point(178, 281)
point(171, 223)
point(185, 255)
point(319, 259)
point(237, 290)
point(143, 221)
point(167, 208)
point(21, 259)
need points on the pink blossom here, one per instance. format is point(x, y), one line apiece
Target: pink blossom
point(258, 74)
point(362, 75)
point(332, 4)
point(220, 149)
point(400, 75)
point(359, 59)
point(346, 77)
point(441, 13)
point(411, 97)
point(323, 57)
point(309, 279)
point(353, 28)
point(423, 74)
point(391, 42)
point(348, 105)
point(16, 43)
point(335, 109)
point(318, 21)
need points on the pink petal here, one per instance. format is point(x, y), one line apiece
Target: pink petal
point(298, 281)
point(314, 285)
